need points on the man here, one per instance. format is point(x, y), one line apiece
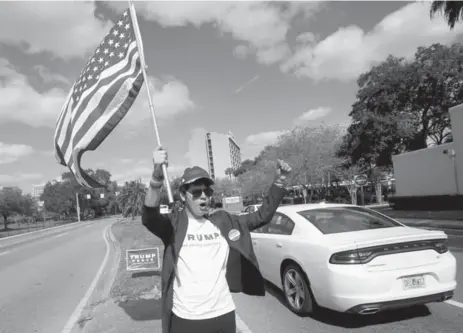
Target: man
point(206, 256)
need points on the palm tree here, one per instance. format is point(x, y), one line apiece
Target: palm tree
point(131, 198)
point(229, 172)
point(453, 11)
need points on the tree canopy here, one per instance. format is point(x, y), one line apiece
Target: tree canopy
point(60, 196)
point(13, 201)
point(403, 105)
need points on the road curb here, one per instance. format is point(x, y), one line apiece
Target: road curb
point(97, 296)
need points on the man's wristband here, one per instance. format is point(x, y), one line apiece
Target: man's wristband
point(155, 184)
point(280, 181)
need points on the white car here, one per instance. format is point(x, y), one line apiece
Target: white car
point(352, 259)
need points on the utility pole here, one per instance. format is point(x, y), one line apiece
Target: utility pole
point(78, 206)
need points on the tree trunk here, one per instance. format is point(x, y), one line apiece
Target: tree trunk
point(379, 194)
point(5, 222)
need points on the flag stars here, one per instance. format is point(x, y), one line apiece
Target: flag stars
point(121, 55)
point(120, 23)
point(115, 33)
point(127, 26)
point(106, 51)
point(117, 44)
point(122, 35)
point(100, 60)
point(110, 42)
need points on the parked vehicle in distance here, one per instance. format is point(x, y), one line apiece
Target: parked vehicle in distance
point(250, 209)
point(352, 259)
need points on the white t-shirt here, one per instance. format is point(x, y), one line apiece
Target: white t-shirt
point(203, 290)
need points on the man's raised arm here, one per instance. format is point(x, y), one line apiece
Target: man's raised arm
point(271, 201)
point(159, 224)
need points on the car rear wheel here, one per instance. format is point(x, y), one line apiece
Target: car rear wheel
point(297, 290)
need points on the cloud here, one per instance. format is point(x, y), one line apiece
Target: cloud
point(49, 77)
point(261, 27)
point(313, 114)
point(247, 83)
point(33, 25)
point(254, 143)
point(241, 51)
point(20, 102)
point(10, 153)
point(14, 179)
point(170, 97)
point(350, 51)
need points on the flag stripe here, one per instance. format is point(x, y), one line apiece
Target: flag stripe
point(119, 115)
point(106, 78)
point(95, 124)
point(96, 107)
point(98, 92)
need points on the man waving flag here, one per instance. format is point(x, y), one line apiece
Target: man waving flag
point(100, 98)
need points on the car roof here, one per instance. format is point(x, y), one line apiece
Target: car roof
point(301, 207)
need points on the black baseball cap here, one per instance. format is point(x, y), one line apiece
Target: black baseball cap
point(190, 175)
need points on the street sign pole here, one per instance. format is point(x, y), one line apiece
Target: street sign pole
point(78, 207)
point(361, 181)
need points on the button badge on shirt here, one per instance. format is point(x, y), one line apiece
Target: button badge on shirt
point(234, 235)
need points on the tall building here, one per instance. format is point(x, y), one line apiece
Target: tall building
point(223, 152)
point(37, 191)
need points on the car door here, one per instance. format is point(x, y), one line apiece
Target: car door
point(257, 235)
point(272, 246)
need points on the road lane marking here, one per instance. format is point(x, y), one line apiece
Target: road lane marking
point(41, 230)
point(60, 235)
point(455, 303)
point(241, 327)
point(36, 237)
point(80, 307)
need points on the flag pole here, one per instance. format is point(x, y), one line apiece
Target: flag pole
point(138, 39)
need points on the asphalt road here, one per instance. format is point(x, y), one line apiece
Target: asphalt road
point(268, 314)
point(44, 276)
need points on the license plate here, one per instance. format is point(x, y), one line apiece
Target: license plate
point(414, 282)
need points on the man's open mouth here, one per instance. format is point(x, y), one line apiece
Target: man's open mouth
point(202, 205)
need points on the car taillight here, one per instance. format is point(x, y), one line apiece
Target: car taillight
point(353, 257)
point(441, 245)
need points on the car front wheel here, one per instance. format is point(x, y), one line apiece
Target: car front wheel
point(297, 291)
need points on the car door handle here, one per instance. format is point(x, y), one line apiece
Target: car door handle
point(279, 244)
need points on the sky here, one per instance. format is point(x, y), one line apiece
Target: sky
point(256, 69)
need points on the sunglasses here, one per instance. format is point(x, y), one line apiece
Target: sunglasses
point(196, 193)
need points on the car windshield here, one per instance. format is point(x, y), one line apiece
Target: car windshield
point(335, 220)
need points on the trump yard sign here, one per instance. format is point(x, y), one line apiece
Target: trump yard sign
point(143, 259)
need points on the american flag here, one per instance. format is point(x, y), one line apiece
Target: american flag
point(100, 98)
